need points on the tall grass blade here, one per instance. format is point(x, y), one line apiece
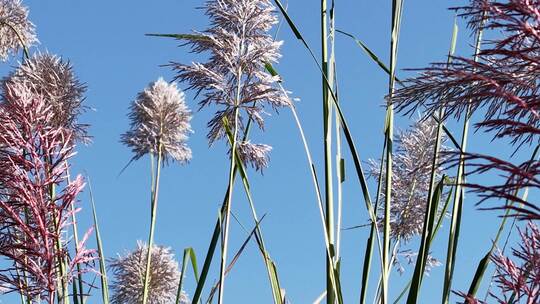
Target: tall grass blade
point(102, 267)
point(235, 259)
point(389, 134)
point(153, 205)
point(189, 253)
point(216, 234)
point(432, 209)
point(458, 197)
point(369, 52)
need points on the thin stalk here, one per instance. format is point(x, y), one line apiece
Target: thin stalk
point(392, 260)
point(217, 229)
point(389, 130)
point(153, 204)
point(457, 204)
point(62, 284)
point(270, 269)
point(327, 139)
point(427, 234)
point(225, 241)
point(333, 275)
point(340, 166)
point(374, 231)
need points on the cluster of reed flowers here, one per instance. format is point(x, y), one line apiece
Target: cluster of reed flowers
point(35, 217)
point(129, 272)
point(503, 82)
point(39, 108)
point(53, 78)
point(234, 77)
point(16, 31)
point(411, 168)
point(413, 162)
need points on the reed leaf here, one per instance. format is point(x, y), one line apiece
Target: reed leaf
point(428, 231)
point(102, 267)
point(189, 253)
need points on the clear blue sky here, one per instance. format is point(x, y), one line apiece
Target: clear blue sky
point(105, 42)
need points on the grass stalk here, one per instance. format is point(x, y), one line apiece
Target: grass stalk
point(427, 231)
point(389, 130)
point(270, 266)
point(26, 54)
point(153, 204)
point(232, 167)
point(434, 193)
point(327, 140)
point(458, 196)
point(374, 232)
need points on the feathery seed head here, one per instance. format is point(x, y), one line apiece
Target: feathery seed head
point(234, 76)
point(502, 80)
point(160, 123)
point(34, 158)
point(255, 155)
point(53, 78)
point(16, 31)
point(129, 271)
point(517, 277)
point(412, 166)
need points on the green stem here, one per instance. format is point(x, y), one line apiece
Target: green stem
point(458, 199)
point(154, 202)
point(389, 130)
point(327, 125)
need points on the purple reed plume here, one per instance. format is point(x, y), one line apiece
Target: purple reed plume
point(53, 78)
point(503, 83)
point(16, 31)
point(234, 76)
point(33, 160)
point(518, 277)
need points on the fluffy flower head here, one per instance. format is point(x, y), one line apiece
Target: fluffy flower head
point(160, 123)
point(33, 158)
point(411, 176)
point(234, 76)
point(53, 78)
point(255, 155)
point(129, 271)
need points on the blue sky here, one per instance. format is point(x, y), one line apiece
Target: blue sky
point(105, 42)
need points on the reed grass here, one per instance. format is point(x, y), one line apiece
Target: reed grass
point(444, 193)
